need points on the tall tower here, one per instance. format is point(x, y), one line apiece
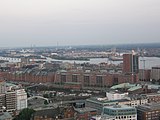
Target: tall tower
point(130, 63)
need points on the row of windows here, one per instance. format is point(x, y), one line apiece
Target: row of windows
point(99, 79)
point(127, 110)
point(153, 112)
point(121, 117)
point(86, 79)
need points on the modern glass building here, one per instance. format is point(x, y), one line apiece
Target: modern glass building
point(121, 112)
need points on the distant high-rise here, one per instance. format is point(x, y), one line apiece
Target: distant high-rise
point(130, 63)
point(2, 86)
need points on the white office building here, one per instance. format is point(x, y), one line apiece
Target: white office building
point(21, 99)
point(115, 95)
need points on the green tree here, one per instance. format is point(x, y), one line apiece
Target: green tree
point(46, 102)
point(25, 114)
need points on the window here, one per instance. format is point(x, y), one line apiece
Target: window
point(74, 78)
point(86, 80)
point(99, 80)
point(63, 78)
point(115, 81)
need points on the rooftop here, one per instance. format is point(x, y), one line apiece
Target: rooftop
point(119, 107)
point(85, 109)
point(152, 94)
point(102, 117)
point(135, 88)
point(11, 85)
point(50, 113)
point(149, 107)
point(103, 101)
point(116, 91)
point(5, 116)
point(123, 85)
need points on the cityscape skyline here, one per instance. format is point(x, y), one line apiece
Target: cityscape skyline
point(67, 23)
point(79, 60)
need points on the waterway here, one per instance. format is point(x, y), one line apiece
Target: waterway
point(148, 64)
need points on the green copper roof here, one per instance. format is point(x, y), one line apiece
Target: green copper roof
point(134, 88)
point(123, 85)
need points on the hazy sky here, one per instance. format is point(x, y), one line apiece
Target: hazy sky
point(78, 22)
